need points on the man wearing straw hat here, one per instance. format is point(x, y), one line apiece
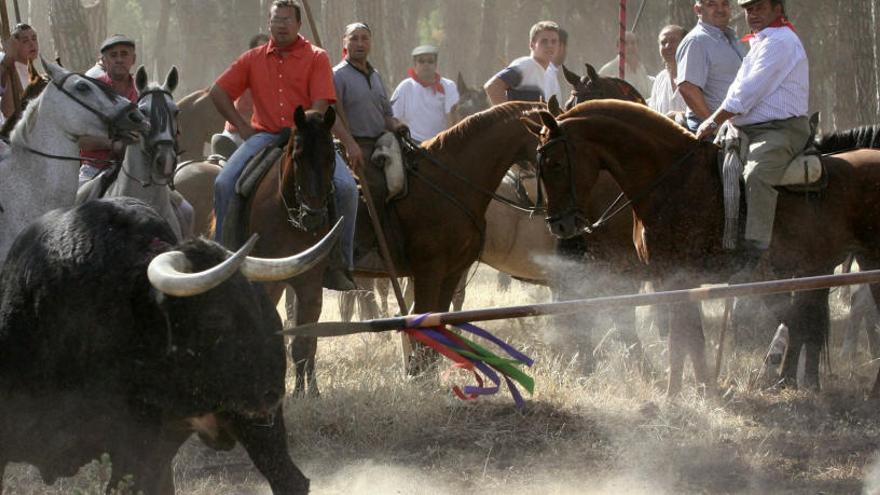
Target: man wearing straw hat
point(768, 101)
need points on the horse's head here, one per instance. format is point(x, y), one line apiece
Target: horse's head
point(568, 171)
point(159, 146)
point(470, 101)
point(592, 86)
point(313, 160)
point(83, 106)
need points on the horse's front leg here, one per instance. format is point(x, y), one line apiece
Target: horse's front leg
point(303, 349)
point(686, 339)
point(808, 323)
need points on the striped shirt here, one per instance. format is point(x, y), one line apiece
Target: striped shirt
point(774, 80)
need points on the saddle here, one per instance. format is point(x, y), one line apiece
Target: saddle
point(235, 225)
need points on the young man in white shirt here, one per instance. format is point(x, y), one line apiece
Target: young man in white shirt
point(424, 99)
point(525, 78)
point(768, 101)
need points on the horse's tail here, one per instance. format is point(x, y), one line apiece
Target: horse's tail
point(867, 136)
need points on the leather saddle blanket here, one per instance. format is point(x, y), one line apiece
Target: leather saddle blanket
point(235, 225)
point(388, 157)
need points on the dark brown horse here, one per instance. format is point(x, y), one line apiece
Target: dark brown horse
point(675, 186)
point(289, 211)
point(592, 86)
point(470, 101)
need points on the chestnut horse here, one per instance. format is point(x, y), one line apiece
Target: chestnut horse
point(675, 186)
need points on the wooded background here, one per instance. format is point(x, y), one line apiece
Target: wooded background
point(476, 37)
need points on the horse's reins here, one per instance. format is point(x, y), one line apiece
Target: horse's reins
point(610, 212)
point(296, 214)
point(111, 122)
point(159, 115)
point(414, 147)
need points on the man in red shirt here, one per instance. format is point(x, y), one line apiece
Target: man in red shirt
point(285, 73)
point(114, 68)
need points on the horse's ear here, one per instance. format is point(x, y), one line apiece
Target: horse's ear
point(329, 117)
point(171, 80)
point(56, 72)
point(299, 117)
point(592, 75)
point(570, 76)
point(140, 79)
point(532, 126)
point(462, 87)
point(553, 105)
point(549, 121)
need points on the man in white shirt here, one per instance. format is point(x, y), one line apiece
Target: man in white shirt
point(665, 97)
point(525, 78)
point(423, 100)
point(768, 101)
point(635, 72)
point(553, 77)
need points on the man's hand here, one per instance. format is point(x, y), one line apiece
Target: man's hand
point(402, 130)
point(708, 128)
point(246, 131)
point(355, 156)
point(10, 48)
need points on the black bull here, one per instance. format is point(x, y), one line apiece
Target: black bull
point(94, 359)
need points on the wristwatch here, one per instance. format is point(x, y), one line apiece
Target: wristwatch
point(713, 125)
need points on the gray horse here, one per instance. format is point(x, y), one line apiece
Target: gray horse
point(41, 169)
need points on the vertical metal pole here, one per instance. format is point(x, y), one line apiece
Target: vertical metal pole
point(621, 42)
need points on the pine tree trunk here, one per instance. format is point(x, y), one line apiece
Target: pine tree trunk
point(863, 58)
point(681, 12)
point(488, 52)
point(67, 22)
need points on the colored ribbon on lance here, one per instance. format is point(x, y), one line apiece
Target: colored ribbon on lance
point(484, 364)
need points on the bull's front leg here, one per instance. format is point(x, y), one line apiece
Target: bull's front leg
point(266, 444)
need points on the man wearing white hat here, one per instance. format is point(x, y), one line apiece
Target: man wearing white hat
point(424, 99)
point(768, 101)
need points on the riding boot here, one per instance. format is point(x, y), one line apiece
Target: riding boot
point(337, 276)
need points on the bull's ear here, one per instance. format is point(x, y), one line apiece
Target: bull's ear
point(299, 117)
point(140, 79)
point(553, 106)
point(171, 80)
point(570, 76)
point(532, 126)
point(592, 75)
point(329, 117)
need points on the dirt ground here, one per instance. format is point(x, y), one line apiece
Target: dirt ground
point(607, 431)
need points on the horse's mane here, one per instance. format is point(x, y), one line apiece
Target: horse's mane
point(479, 122)
point(629, 112)
point(867, 136)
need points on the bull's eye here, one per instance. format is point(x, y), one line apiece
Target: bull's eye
point(82, 87)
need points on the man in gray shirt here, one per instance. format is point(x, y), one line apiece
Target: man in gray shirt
point(708, 59)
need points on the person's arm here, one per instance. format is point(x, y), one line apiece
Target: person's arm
point(226, 107)
point(496, 90)
point(693, 97)
point(7, 73)
point(710, 125)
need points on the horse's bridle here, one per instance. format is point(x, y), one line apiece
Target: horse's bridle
point(160, 117)
point(615, 207)
point(112, 121)
point(296, 215)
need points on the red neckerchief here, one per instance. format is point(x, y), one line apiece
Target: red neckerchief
point(780, 21)
point(436, 85)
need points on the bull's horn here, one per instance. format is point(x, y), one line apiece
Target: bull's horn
point(170, 272)
point(273, 270)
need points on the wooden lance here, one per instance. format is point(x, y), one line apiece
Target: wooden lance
point(328, 329)
point(385, 253)
point(621, 42)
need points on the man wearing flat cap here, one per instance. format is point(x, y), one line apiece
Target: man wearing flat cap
point(423, 100)
point(117, 57)
point(768, 101)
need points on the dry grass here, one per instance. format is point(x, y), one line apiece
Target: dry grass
point(610, 431)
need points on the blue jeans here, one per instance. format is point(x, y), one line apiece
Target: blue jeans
point(346, 200)
point(224, 185)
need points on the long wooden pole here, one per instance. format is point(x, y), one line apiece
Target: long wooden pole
point(327, 329)
point(405, 344)
point(621, 42)
point(5, 28)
